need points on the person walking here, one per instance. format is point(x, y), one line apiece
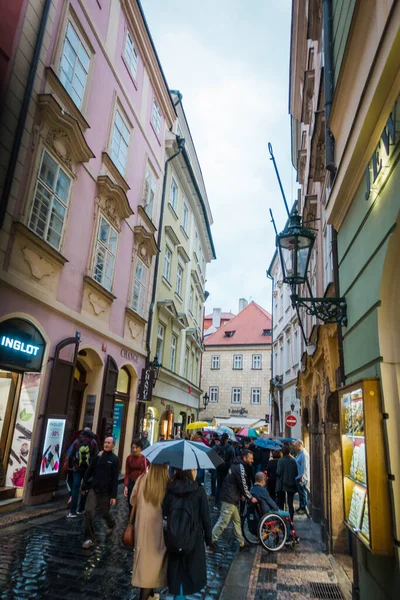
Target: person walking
point(103, 473)
point(136, 464)
point(303, 477)
point(80, 455)
point(226, 452)
point(185, 506)
point(286, 485)
point(271, 472)
point(235, 487)
point(145, 440)
point(150, 560)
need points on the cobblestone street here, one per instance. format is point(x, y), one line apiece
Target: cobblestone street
point(43, 559)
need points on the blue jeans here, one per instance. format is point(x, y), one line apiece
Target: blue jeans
point(76, 486)
point(303, 494)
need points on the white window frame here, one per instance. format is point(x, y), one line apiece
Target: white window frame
point(255, 396)
point(215, 362)
point(213, 394)
point(179, 280)
point(109, 256)
point(174, 346)
point(79, 64)
point(186, 363)
point(236, 395)
point(150, 192)
point(160, 338)
point(131, 55)
point(156, 116)
point(167, 263)
point(256, 359)
point(173, 194)
point(185, 217)
point(120, 139)
point(140, 287)
point(237, 362)
point(55, 204)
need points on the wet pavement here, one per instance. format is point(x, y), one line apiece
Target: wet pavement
point(43, 559)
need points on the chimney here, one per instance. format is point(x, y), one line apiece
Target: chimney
point(216, 321)
point(242, 304)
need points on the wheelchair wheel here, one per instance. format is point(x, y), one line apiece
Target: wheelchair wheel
point(272, 532)
point(251, 538)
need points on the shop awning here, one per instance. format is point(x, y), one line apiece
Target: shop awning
point(239, 421)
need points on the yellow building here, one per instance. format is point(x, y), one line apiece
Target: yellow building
point(186, 247)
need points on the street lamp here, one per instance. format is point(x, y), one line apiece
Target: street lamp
point(292, 407)
point(206, 399)
point(155, 366)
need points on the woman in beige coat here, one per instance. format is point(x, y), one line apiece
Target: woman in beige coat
point(150, 560)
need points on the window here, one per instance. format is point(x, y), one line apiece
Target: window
point(238, 361)
point(255, 395)
point(179, 279)
point(213, 394)
point(167, 263)
point(229, 334)
point(120, 142)
point(295, 347)
point(139, 287)
point(156, 117)
point(215, 362)
point(288, 354)
point(131, 55)
point(173, 194)
point(196, 241)
point(160, 342)
point(191, 299)
point(74, 65)
point(266, 332)
point(281, 305)
point(328, 256)
point(236, 395)
point(185, 217)
point(51, 200)
point(185, 366)
point(196, 370)
point(150, 189)
point(174, 344)
point(256, 363)
point(106, 249)
point(191, 366)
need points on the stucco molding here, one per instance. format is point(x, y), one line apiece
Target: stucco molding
point(39, 265)
point(146, 219)
point(58, 88)
point(113, 201)
point(109, 168)
point(39, 246)
point(145, 244)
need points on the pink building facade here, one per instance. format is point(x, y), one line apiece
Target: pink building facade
point(77, 238)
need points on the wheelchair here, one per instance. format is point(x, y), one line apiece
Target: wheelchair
point(270, 530)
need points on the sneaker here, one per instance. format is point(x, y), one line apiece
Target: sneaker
point(71, 516)
point(80, 512)
point(87, 544)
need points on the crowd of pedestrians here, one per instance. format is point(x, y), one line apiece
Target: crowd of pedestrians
point(171, 509)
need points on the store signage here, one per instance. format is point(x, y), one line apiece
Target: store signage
point(381, 158)
point(146, 385)
point(129, 355)
point(22, 346)
point(238, 411)
point(52, 447)
point(291, 421)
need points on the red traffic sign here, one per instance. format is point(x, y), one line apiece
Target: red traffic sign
point(291, 420)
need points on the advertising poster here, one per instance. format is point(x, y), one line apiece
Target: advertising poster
point(117, 425)
point(21, 443)
point(52, 447)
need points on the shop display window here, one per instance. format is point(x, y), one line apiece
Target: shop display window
point(365, 476)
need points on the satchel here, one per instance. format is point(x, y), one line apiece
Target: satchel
point(128, 537)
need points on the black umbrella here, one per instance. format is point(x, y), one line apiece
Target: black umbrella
point(183, 454)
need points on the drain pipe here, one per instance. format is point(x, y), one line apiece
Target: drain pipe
point(181, 145)
point(23, 114)
point(327, 12)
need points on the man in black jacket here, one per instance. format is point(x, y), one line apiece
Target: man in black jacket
point(102, 476)
point(226, 452)
point(235, 487)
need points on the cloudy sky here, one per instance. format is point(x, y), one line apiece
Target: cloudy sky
point(230, 60)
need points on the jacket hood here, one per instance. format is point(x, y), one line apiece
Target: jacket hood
point(237, 461)
point(182, 488)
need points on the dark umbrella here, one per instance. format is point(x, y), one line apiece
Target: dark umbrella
point(183, 454)
point(269, 444)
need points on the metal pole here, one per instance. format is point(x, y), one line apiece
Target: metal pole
point(279, 179)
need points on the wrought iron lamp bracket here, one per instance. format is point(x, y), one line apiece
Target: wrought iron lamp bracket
point(328, 310)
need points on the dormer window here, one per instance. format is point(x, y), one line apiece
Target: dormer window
point(266, 332)
point(229, 334)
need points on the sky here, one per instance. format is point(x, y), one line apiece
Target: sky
point(230, 60)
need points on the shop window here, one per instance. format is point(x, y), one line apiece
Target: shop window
point(123, 381)
point(106, 249)
point(74, 65)
point(50, 203)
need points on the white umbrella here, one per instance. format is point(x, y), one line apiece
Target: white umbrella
point(182, 454)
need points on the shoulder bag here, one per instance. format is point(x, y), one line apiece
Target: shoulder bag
point(128, 537)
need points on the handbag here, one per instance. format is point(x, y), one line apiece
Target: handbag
point(128, 537)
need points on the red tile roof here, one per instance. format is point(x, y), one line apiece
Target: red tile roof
point(248, 326)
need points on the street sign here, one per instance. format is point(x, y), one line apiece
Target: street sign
point(291, 421)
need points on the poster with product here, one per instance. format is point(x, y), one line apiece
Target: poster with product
point(52, 447)
point(22, 437)
point(117, 424)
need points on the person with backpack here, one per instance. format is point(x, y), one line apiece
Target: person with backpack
point(150, 558)
point(80, 455)
point(187, 526)
point(226, 452)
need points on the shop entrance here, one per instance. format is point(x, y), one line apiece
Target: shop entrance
point(121, 410)
point(167, 421)
point(74, 410)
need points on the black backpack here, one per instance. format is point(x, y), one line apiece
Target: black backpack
point(180, 526)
